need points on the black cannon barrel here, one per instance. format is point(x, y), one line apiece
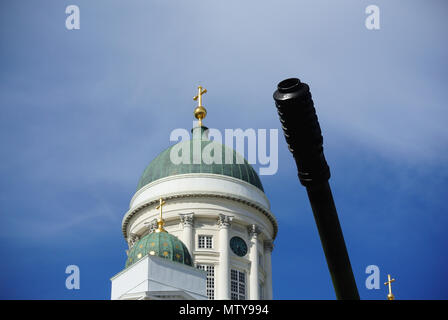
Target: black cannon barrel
point(304, 138)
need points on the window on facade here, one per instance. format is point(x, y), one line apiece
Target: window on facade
point(210, 279)
point(205, 242)
point(261, 291)
point(237, 285)
point(260, 260)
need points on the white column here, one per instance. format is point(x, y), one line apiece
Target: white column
point(254, 293)
point(223, 283)
point(187, 233)
point(268, 247)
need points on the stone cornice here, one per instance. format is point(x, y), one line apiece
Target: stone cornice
point(132, 212)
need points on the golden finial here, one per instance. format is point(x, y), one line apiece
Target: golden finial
point(390, 296)
point(200, 111)
point(160, 221)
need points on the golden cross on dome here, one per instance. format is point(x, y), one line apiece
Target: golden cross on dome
point(390, 296)
point(200, 111)
point(201, 91)
point(160, 221)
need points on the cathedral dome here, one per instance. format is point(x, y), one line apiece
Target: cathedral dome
point(160, 244)
point(162, 166)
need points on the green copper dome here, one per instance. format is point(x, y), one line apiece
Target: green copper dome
point(162, 166)
point(161, 244)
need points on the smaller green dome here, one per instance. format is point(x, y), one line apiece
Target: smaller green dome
point(160, 244)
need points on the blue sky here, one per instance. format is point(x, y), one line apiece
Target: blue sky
point(83, 112)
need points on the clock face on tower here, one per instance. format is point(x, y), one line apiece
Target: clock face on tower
point(238, 246)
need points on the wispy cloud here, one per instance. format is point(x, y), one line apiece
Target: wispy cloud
point(83, 112)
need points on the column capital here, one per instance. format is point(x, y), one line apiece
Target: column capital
point(132, 239)
point(152, 225)
point(187, 219)
point(253, 230)
point(268, 245)
point(224, 220)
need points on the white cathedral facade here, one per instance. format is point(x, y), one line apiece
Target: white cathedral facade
point(215, 238)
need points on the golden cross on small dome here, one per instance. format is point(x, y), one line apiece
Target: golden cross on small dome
point(160, 221)
point(200, 111)
point(390, 296)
